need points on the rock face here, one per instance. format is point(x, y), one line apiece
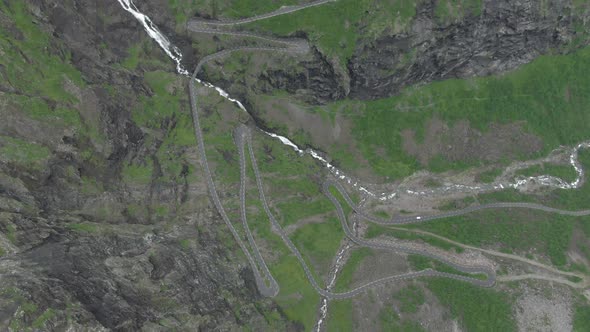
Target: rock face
point(505, 35)
point(105, 222)
point(87, 244)
point(318, 81)
point(502, 36)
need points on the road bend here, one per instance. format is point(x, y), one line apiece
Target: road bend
point(273, 289)
point(489, 272)
point(331, 295)
point(449, 214)
point(281, 11)
point(257, 262)
point(243, 136)
point(264, 290)
point(246, 34)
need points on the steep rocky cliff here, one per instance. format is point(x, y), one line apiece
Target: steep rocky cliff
point(105, 223)
point(105, 219)
point(504, 35)
point(492, 37)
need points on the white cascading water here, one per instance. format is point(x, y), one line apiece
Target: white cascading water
point(174, 53)
point(330, 285)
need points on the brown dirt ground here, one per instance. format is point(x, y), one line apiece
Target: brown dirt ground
point(542, 308)
point(460, 142)
point(578, 250)
point(431, 315)
point(324, 133)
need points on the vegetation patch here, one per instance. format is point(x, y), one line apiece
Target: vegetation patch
point(132, 60)
point(304, 186)
point(564, 172)
point(342, 157)
point(163, 104)
point(291, 211)
point(38, 109)
point(447, 11)
point(90, 186)
point(390, 320)
point(29, 52)
point(457, 204)
point(49, 61)
point(423, 263)
point(219, 9)
point(140, 55)
point(375, 231)
point(319, 241)
point(512, 229)
point(582, 318)
point(340, 316)
point(161, 210)
point(410, 299)
point(478, 309)
point(185, 244)
point(568, 199)
point(382, 214)
point(489, 176)
point(83, 228)
point(344, 278)
point(249, 8)
point(39, 322)
point(343, 203)
point(334, 27)
point(297, 298)
point(22, 153)
point(533, 94)
point(137, 174)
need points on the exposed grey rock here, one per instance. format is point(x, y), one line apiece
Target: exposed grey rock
point(318, 81)
point(129, 271)
point(506, 35)
point(79, 259)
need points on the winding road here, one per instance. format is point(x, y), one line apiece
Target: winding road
point(408, 250)
point(265, 290)
point(281, 11)
point(278, 229)
point(449, 214)
point(243, 134)
point(273, 289)
point(264, 279)
point(492, 252)
point(256, 261)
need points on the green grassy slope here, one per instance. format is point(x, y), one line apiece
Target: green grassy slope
point(478, 309)
point(334, 27)
point(550, 95)
point(512, 230)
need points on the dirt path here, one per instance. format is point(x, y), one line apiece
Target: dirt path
point(281, 11)
point(572, 284)
point(493, 252)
